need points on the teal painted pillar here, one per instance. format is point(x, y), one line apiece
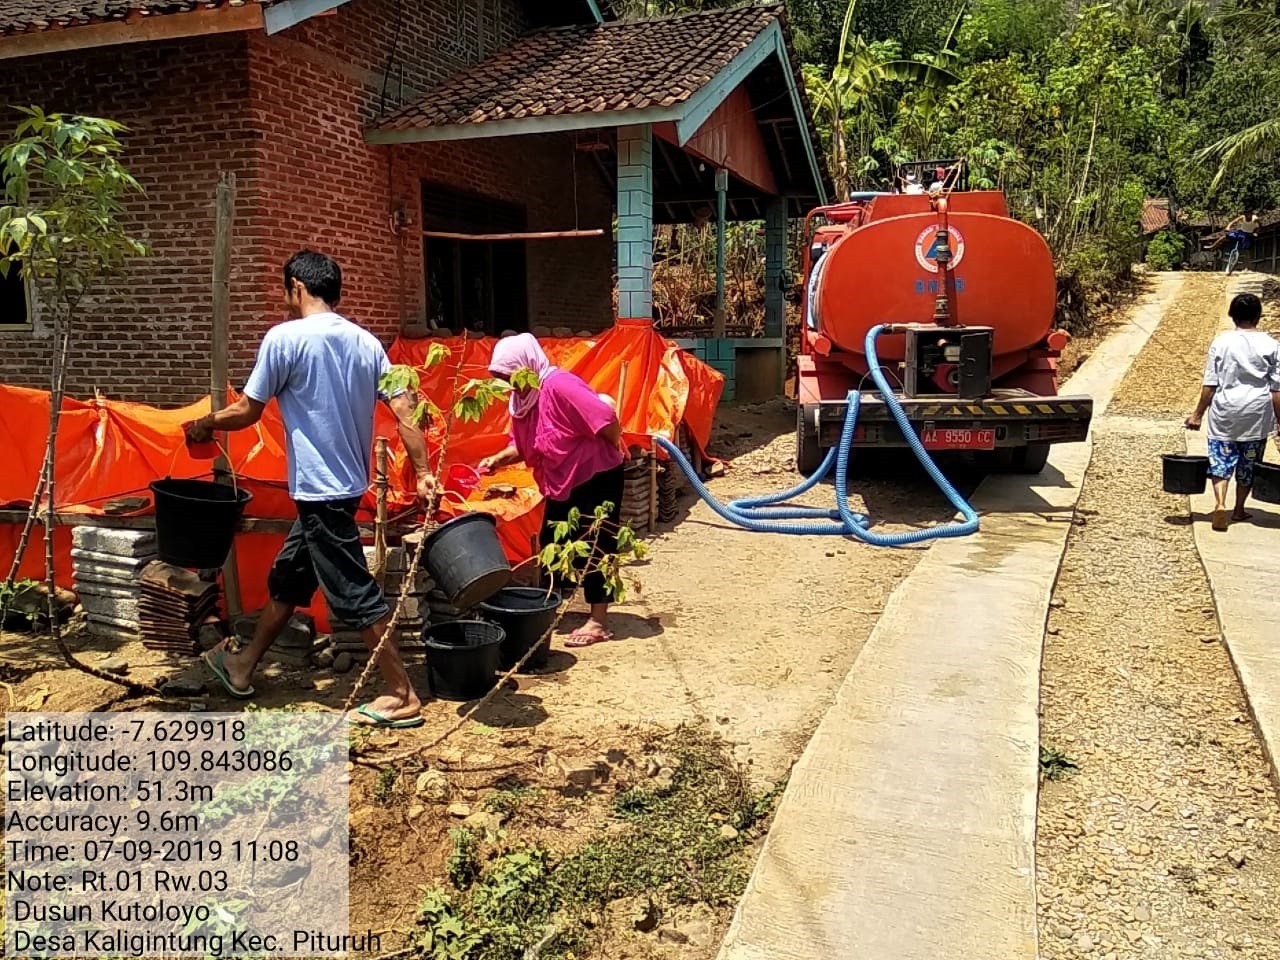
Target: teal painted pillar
point(775, 263)
point(722, 189)
point(635, 222)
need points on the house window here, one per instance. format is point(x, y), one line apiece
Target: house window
point(479, 285)
point(14, 312)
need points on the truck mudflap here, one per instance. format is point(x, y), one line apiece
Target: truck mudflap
point(1015, 420)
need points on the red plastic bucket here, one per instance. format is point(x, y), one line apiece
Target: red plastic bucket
point(208, 450)
point(461, 479)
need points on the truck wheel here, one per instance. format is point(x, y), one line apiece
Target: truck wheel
point(1030, 459)
point(808, 451)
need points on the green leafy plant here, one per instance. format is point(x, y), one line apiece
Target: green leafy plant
point(61, 226)
point(442, 934)
point(635, 802)
point(10, 591)
point(475, 397)
point(1166, 251)
point(463, 865)
point(472, 400)
point(513, 898)
point(402, 378)
point(575, 551)
point(526, 379)
point(279, 789)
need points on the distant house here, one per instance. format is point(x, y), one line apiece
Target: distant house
point(1203, 229)
point(1155, 217)
point(391, 133)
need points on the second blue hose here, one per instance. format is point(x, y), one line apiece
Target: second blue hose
point(770, 513)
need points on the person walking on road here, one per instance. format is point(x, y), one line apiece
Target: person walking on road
point(324, 371)
point(572, 441)
point(1241, 393)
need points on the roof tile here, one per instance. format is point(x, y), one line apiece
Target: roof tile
point(1155, 215)
point(24, 16)
point(618, 65)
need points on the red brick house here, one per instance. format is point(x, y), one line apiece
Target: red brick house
point(353, 126)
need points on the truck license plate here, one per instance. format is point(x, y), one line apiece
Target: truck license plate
point(959, 439)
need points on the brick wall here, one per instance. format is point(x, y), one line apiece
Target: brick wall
point(147, 336)
point(334, 177)
point(286, 114)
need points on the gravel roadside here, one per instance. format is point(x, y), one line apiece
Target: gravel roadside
point(1166, 840)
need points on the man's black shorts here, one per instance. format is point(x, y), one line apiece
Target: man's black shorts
point(323, 550)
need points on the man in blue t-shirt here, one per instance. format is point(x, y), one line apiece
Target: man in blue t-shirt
point(323, 370)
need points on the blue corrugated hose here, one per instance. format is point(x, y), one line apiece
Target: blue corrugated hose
point(766, 514)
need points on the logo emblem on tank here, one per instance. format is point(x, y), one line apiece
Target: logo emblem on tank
point(927, 248)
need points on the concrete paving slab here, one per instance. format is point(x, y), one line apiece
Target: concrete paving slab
point(907, 830)
point(1243, 566)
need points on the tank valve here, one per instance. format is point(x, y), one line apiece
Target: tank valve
point(943, 246)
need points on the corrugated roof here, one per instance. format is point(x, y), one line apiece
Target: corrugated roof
point(27, 16)
point(625, 65)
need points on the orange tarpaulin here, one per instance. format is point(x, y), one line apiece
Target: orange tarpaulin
point(110, 449)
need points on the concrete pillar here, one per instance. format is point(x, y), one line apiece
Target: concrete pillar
point(775, 261)
point(635, 222)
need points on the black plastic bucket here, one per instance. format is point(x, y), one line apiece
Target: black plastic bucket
point(524, 614)
point(196, 521)
point(465, 559)
point(1266, 482)
point(1184, 474)
point(462, 657)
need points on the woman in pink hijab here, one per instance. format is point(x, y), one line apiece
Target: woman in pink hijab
point(572, 441)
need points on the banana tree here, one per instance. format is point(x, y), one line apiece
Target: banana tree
point(925, 112)
point(849, 98)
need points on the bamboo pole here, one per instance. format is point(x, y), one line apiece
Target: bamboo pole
point(527, 235)
point(225, 217)
point(382, 481)
point(719, 319)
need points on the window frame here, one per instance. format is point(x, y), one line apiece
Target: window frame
point(455, 210)
point(28, 297)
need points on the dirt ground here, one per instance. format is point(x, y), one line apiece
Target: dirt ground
point(747, 636)
point(736, 637)
point(1165, 842)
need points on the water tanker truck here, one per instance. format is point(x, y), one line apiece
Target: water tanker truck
point(966, 295)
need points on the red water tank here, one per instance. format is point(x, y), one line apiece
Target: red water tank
point(885, 271)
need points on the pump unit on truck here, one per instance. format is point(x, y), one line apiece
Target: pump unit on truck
point(969, 294)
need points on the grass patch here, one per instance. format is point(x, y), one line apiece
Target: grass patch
point(384, 787)
point(1054, 764)
point(463, 864)
point(673, 848)
point(511, 798)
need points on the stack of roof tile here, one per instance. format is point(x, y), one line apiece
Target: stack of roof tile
point(174, 604)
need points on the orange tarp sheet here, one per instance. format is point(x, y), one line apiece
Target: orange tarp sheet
point(109, 449)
